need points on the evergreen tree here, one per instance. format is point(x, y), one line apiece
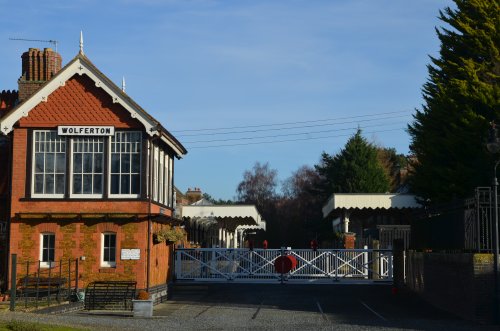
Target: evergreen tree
point(460, 97)
point(356, 169)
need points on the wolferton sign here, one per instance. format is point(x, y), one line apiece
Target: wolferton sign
point(72, 130)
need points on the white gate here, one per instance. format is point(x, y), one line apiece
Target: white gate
point(257, 265)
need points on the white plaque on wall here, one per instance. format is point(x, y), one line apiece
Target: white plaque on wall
point(131, 254)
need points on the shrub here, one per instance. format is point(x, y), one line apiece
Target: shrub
point(142, 295)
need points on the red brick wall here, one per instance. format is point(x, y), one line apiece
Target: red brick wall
point(75, 239)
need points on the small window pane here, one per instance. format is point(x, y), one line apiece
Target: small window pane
point(115, 184)
point(60, 163)
point(136, 182)
point(49, 184)
point(125, 184)
point(87, 184)
point(59, 184)
point(125, 163)
point(115, 163)
point(77, 184)
point(136, 163)
point(98, 163)
point(49, 162)
point(87, 163)
point(97, 184)
point(39, 162)
point(77, 163)
point(39, 184)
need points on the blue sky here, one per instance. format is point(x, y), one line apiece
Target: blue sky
point(328, 67)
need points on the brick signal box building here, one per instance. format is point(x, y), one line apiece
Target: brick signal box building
point(85, 173)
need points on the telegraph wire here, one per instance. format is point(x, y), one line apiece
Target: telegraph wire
point(290, 128)
point(290, 123)
point(284, 135)
point(288, 140)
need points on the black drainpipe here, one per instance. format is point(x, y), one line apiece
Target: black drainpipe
point(8, 209)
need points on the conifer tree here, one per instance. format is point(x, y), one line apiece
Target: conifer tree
point(461, 96)
point(356, 169)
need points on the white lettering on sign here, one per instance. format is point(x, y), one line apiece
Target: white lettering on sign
point(64, 130)
point(131, 254)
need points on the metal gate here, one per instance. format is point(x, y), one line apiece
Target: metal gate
point(257, 265)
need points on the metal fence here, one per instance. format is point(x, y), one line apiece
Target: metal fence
point(39, 284)
point(258, 265)
point(465, 225)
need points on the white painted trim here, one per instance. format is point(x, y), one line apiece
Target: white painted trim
point(44, 264)
point(106, 264)
point(79, 67)
point(169, 143)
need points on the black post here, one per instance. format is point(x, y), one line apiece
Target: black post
point(496, 304)
point(13, 276)
point(398, 263)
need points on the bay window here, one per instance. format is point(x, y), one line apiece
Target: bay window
point(65, 166)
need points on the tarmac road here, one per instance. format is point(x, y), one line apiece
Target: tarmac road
point(273, 307)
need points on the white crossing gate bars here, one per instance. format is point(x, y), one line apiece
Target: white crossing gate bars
point(257, 265)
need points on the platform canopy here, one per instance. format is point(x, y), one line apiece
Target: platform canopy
point(221, 225)
point(350, 201)
point(239, 215)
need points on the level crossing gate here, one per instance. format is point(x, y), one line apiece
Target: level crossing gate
point(258, 265)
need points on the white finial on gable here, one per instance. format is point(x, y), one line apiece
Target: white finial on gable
point(81, 42)
point(123, 84)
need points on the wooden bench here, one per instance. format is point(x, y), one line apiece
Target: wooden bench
point(110, 295)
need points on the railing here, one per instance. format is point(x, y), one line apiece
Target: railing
point(322, 265)
point(43, 286)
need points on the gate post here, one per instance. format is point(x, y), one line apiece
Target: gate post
point(177, 263)
point(399, 263)
point(13, 278)
point(376, 260)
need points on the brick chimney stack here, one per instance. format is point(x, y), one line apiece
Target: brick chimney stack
point(194, 194)
point(37, 68)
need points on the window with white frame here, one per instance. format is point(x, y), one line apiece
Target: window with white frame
point(166, 186)
point(156, 151)
point(125, 164)
point(108, 252)
point(52, 156)
point(170, 182)
point(161, 189)
point(87, 166)
point(47, 249)
point(49, 165)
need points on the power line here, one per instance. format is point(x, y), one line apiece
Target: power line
point(292, 127)
point(287, 140)
point(289, 123)
point(284, 135)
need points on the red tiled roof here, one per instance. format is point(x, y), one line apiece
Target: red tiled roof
point(79, 102)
